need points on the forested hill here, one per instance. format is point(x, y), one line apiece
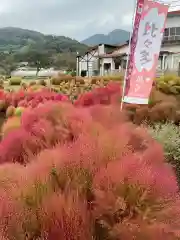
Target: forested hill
point(21, 45)
point(22, 40)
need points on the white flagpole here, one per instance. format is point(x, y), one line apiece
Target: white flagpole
point(129, 49)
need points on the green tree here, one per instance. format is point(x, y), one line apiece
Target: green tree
point(38, 60)
point(67, 60)
point(7, 63)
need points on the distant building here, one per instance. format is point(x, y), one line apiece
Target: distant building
point(169, 58)
point(31, 73)
point(22, 64)
point(90, 64)
point(105, 59)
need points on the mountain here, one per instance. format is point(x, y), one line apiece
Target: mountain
point(22, 40)
point(115, 37)
point(20, 45)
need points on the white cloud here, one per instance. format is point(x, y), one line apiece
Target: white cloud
point(73, 18)
point(127, 20)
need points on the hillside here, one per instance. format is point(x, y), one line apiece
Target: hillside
point(22, 40)
point(117, 36)
point(22, 45)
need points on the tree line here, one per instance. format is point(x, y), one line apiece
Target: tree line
point(37, 59)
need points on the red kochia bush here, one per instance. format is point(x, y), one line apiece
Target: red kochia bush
point(31, 99)
point(109, 181)
point(102, 95)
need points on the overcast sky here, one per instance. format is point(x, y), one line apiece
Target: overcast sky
point(73, 18)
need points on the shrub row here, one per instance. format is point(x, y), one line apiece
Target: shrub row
point(17, 81)
point(169, 84)
point(161, 107)
point(94, 80)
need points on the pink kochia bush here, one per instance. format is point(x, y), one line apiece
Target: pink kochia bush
point(31, 99)
point(85, 173)
point(41, 128)
point(101, 95)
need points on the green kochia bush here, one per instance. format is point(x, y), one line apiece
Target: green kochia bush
point(168, 135)
point(99, 177)
point(169, 84)
point(15, 81)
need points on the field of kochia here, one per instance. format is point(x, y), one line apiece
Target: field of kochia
point(75, 167)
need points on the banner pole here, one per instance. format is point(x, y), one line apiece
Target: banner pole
point(129, 49)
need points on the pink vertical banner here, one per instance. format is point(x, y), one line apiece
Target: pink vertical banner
point(145, 46)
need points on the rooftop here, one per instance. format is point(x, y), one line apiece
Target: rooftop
point(96, 46)
point(112, 55)
point(174, 13)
